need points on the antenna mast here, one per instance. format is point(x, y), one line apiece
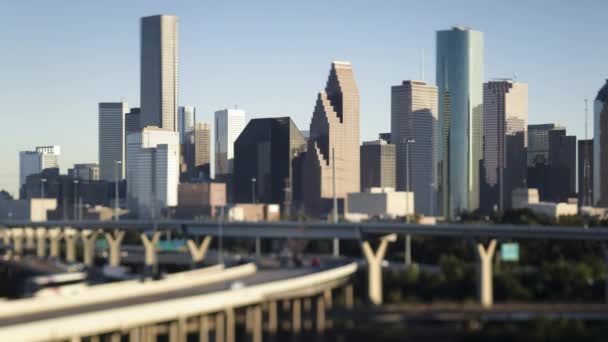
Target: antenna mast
point(586, 180)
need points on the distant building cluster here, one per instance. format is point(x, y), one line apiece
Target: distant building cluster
point(460, 145)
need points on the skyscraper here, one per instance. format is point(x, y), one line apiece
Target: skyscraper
point(186, 117)
point(600, 147)
point(459, 75)
point(153, 171)
point(505, 115)
point(159, 71)
point(538, 142)
point(333, 143)
point(377, 165)
point(265, 151)
point(414, 119)
point(112, 140)
point(202, 145)
point(229, 123)
point(585, 172)
point(33, 162)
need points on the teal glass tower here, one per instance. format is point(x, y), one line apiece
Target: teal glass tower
point(460, 89)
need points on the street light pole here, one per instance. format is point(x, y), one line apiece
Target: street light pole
point(408, 238)
point(253, 180)
point(75, 199)
point(335, 211)
point(116, 197)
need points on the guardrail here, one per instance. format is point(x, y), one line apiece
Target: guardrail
point(115, 291)
point(123, 319)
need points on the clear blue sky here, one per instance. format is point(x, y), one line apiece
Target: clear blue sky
point(60, 58)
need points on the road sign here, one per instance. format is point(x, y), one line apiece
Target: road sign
point(509, 251)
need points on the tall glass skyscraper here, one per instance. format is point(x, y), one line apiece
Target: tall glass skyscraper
point(460, 82)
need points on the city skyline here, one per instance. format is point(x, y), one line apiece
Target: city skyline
point(78, 144)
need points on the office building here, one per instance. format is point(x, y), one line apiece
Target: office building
point(459, 75)
point(132, 121)
point(265, 151)
point(153, 171)
point(505, 123)
point(381, 203)
point(186, 117)
point(377, 165)
point(229, 123)
point(34, 162)
point(200, 199)
point(333, 144)
point(85, 172)
point(386, 137)
point(112, 140)
point(600, 147)
point(585, 173)
point(414, 133)
point(159, 71)
point(538, 142)
point(202, 150)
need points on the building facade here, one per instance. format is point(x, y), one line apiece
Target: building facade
point(86, 172)
point(377, 165)
point(112, 140)
point(34, 162)
point(159, 71)
point(505, 124)
point(600, 147)
point(414, 123)
point(585, 172)
point(186, 117)
point(153, 171)
point(265, 151)
point(538, 142)
point(459, 75)
point(333, 143)
point(229, 123)
point(202, 150)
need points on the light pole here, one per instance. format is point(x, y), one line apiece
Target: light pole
point(116, 197)
point(75, 198)
point(220, 241)
point(408, 238)
point(336, 248)
point(253, 180)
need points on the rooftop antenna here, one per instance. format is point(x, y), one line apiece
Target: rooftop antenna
point(514, 77)
point(586, 170)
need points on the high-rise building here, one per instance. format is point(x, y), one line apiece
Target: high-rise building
point(585, 172)
point(600, 147)
point(386, 137)
point(33, 162)
point(202, 145)
point(86, 172)
point(112, 140)
point(153, 171)
point(229, 123)
point(333, 143)
point(459, 75)
point(132, 121)
point(505, 116)
point(186, 117)
point(265, 151)
point(538, 142)
point(414, 132)
point(377, 165)
point(159, 71)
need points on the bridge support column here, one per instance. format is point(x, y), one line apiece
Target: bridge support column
point(41, 234)
point(220, 327)
point(198, 252)
point(203, 329)
point(374, 267)
point(70, 237)
point(230, 325)
point(273, 319)
point(484, 273)
point(605, 250)
point(30, 238)
point(320, 315)
point(6, 241)
point(17, 236)
point(296, 316)
point(114, 241)
point(55, 236)
point(88, 240)
point(150, 247)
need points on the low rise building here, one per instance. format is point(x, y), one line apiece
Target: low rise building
point(381, 202)
point(200, 199)
point(529, 198)
point(254, 212)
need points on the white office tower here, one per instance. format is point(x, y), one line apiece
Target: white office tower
point(153, 170)
point(111, 140)
point(186, 116)
point(33, 162)
point(229, 123)
point(159, 71)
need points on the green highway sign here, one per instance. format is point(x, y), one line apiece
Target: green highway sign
point(509, 252)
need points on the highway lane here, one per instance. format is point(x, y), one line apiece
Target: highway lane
point(261, 276)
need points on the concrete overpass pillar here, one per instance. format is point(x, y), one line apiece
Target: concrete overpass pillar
point(220, 327)
point(198, 252)
point(296, 316)
point(374, 267)
point(203, 329)
point(484, 273)
point(88, 240)
point(114, 241)
point(6, 241)
point(30, 238)
point(230, 325)
point(17, 236)
point(55, 236)
point(257, 323)
point(150, 247)
point(273, 319)
point(320, 314)
point(70, 237)
point(605, 250)
point(41, 234)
